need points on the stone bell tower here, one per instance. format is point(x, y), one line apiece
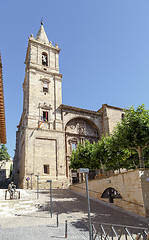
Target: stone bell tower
point(40, 144)
point(42, 85)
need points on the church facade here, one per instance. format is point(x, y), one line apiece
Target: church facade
point(48, 130)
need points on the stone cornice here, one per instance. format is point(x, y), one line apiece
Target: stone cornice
point(44, 106)
point(109, 106)
point(46, 72)
point(81, 110)
point(45, 130)
point(81, 135)
point(44, 44)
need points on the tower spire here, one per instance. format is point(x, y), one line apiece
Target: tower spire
point(41, 35)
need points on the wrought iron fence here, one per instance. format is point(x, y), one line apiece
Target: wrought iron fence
point(119, 232)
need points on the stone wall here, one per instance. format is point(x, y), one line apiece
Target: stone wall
point(133, 186)
point(5, 169)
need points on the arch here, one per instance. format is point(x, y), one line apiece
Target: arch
point(78, 130)
point(86, 120)
point(111, 193)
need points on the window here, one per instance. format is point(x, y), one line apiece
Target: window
point(45, 87)
point(45, 115)
point(73, 146)
point(46, 169)
point(44, 59)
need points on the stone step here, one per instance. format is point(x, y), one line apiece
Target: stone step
point(14, 207)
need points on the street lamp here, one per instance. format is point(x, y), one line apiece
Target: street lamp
point(86, 171)
point(37, 185)
point(31, 180)
point(50, 181)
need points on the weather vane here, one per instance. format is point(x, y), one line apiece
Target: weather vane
point(42, 21)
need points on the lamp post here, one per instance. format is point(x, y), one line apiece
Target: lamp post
point(31, 180)
point(50, 181)
point(86, 171)
point(37, 185)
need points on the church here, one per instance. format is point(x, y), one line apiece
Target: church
point(48, 130)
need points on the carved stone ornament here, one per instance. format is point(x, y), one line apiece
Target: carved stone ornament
point(72, 140)
point(45, 106)
point(45, 80)
point(81, 128)
point(72, 126)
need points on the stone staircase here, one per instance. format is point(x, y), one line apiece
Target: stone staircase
point(15, 207)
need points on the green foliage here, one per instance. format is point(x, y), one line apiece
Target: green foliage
point(127, 147)
point(111, 156)
point(3, 153)
point(133, 131)
point(83, 157)
point(103, 154)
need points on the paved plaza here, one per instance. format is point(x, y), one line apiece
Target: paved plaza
point(30, 218)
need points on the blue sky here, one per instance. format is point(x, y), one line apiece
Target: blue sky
point(104, 56)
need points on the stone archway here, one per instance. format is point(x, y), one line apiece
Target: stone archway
point(78, 130)
point(111, 193)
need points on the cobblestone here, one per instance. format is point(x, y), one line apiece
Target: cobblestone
point(36, 223)
point(41, 232)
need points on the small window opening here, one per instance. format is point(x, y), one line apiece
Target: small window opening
point(46, 169)
point(44, 59)
point(45, 115)
point(45, 88)
point(73, 146)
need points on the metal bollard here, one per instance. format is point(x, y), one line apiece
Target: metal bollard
point(57, 220)
point(65, 228)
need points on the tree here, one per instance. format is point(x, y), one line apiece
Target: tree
point(110, 155)
point(127, 147)
point(83, 157)
point(133, 131)
point(3, 153)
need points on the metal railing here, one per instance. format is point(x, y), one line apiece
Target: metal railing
point(119, 232)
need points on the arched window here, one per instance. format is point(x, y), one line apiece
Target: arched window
point(73, 146)
point(44, 59)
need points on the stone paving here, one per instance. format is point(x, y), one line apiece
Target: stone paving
point(33, 220)
point(30, 228)
point(28, 221)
